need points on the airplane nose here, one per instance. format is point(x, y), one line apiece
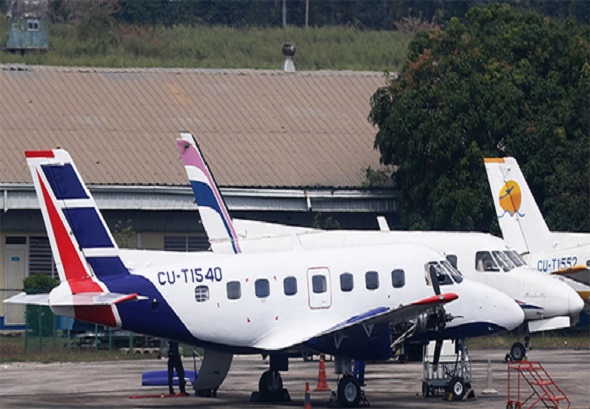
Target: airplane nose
point(513, 315)
point(576, 304)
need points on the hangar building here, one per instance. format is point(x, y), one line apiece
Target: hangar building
point(286, 147)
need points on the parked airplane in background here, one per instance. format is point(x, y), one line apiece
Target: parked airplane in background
point(481, 257)
point(343, 301)
point(523, 226)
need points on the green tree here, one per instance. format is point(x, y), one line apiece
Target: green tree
point(504, 82)
point(39, 318)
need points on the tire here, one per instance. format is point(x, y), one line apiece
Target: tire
point(270, 384)
point(517, 352)
point(457, 388)
point(349, 392)
point(425, 390)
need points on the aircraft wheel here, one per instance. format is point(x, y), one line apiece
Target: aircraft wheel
point(425, 390)
point(457, 388)
point(270, 384)
point(349, 392)
point(517, 352)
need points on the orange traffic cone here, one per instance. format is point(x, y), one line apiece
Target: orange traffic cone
point(322, 381)
point(307, 399)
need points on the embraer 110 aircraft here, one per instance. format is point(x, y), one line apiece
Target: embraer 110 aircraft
point(344, 301)
point(547, 304)
point(523, 226)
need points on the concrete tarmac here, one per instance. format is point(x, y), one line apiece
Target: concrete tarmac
point(389, 385)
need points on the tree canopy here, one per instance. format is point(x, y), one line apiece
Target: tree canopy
point(505, 82)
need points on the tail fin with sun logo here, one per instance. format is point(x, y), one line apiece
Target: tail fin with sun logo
point(521, 221)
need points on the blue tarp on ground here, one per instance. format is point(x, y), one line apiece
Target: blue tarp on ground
point(160, 378)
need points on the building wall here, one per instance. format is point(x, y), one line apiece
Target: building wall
point(27, 33)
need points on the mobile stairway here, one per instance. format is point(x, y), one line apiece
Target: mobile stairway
point(530, 385)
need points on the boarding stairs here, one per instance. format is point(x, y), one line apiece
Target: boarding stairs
point(530, 385)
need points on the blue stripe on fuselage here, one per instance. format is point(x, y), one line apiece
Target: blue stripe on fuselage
point(107, 267)
point(64, 182)
point(153, 316)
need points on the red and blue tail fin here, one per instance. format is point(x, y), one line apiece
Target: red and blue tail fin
point(84, 250)
point(212, 208)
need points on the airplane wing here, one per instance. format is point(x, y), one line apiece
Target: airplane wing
point(301, 332)
point(579, 273)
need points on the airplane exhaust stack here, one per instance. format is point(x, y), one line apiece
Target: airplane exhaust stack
point(288, 50)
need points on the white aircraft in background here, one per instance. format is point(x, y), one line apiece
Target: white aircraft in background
point(523, 226)
point(480, 257)
point(343, 301)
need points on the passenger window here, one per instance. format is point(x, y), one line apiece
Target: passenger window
point(290, 285)
point(372, 280)
point(234, 290)
point(485, 262)
point(346, 282)
point(319, 284)
point(201, 293)
point(451, 258)
point(262, 288)
point(398, 278)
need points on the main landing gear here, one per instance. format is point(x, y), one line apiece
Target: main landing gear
point(270, 385)
point(349, 393)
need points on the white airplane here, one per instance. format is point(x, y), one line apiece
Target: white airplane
point(523, 226)
point(480, 257)
point(344, 301)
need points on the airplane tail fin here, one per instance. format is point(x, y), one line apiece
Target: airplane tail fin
point(85, 253)
point(212, 208)
point(521, 221)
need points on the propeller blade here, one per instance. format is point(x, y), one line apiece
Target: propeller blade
point(434, 279)
point(437, 350)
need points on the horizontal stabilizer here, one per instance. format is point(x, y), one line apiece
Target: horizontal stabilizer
point(298, 334)
point(29, 299)
point(82, 299)
point(94, 299)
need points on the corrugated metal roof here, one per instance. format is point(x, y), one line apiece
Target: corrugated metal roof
point(256, 128)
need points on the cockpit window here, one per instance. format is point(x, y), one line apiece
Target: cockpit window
point(515, 258)
point(452, 271)
point(485, 262)
point(440, 273)
point(503, 260)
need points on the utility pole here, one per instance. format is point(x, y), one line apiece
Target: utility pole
point(284, 13)
point(306, 13)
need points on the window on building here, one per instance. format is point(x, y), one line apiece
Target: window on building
point(319, 284)
point(32, 24)
point(346, 282)
point(40, 257)
point(262, 288)
point(372, 280)
point(201, 293)
point(234, 290)
point(186, 243)
point(290, 285)
point(398, 278)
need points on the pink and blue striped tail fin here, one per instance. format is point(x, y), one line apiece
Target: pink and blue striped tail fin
point(212, 208)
